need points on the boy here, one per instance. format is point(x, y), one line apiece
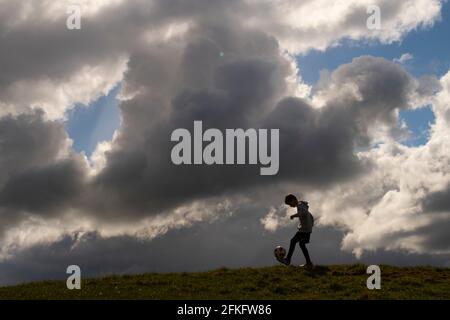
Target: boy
point(304, 229)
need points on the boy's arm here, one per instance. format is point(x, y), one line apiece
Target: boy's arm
point(295, 216)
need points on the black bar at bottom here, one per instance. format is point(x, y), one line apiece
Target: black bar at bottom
point(226, 309)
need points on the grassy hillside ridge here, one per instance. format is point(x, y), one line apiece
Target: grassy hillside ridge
point(277, 282)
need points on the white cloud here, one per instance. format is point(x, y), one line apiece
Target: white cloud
point(304, 25)
point(404, 58)
point(55, 97)
point(275, 219)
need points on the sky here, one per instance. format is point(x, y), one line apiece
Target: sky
point(86, 118)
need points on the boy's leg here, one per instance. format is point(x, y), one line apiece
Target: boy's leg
point(305, 252)
point(294, 241)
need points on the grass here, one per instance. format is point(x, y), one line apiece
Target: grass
point(278, 282)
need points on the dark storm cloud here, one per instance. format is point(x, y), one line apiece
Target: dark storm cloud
point(235, 94)
point(436, 235)
point(438, 201)
point(27, 141)
point(35, 177)
point(316, 147)
point(43, 190)
point(325, 139)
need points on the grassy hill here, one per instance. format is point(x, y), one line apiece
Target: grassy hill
point(278, 282)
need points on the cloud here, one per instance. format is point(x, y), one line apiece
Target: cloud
point(139, 155)
point(304, 25)
point(41, 176)
point(404, 58)
point(438, 201)
point(89, 62)
point(392, 206)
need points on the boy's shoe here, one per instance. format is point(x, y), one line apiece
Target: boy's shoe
point(307, 265)
point(285, 261)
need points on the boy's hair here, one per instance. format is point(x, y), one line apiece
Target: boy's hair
point(289, 198)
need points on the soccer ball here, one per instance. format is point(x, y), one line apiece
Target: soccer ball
point(279, 252)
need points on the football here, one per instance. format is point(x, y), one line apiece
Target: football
point(279, 252)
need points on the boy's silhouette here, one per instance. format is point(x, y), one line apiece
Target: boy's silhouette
point(304, 229)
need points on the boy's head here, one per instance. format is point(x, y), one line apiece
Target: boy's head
point(291, 200)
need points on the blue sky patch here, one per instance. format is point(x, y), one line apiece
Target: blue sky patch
point(88, 125)
point(419, 123)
